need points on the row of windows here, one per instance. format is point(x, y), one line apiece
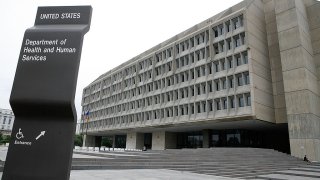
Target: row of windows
point(4, 120)
point(200, 38)
point(229, 44)
point(204, 70)
point(228, 62)
point(5, 127)
point(220, 65)
point(237, 59)
point(228, 26)
point(219, 84)
point(241, 79)
point(192, 42)
point(210, 105)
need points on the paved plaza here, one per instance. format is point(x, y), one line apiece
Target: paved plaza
point(121, 165)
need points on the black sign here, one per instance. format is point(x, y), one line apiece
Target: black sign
point(42, 96)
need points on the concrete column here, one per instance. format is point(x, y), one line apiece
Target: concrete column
point(299, 79)
point(114, 141)
point(164, 140)
point(135, 140)
point(158, 140)
point(206, 138)
point(89, 141)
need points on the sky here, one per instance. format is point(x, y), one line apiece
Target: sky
point(120, 30)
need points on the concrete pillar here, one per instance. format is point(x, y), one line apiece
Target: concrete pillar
point(89, 141)
point(299, 78)
point(158, 140)
point(114, 141)
point(135, 140)
point(164, 140)
point(206, 138)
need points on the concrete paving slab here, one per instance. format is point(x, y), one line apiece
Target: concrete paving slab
point(3, 153)
point(284, 176)
point(141, 174)
point(88, 156)
point(307, 169)
point(303, 173)
point(106, 153)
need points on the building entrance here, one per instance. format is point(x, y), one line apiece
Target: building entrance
point(190, 140)
point(236, 138)
point(148, 140)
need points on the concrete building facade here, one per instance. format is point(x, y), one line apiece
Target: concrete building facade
point(6, 121)
point(248, 76)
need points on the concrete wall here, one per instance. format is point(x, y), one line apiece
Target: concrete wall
point(299, 78)
point(275, 62)
point(260, 71)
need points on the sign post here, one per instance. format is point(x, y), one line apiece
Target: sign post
point(42, 96)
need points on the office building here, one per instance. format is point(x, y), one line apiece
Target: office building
point(6, 121)
point(246, 77)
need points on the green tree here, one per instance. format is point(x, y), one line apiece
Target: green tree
point(1, 137)
point(106, 141)
point(78, 140)
point(5, 139)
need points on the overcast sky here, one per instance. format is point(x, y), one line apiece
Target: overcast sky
point(120, 30)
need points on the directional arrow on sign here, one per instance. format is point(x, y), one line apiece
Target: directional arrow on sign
point(41, 134)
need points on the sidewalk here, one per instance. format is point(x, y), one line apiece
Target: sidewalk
point(140, 174)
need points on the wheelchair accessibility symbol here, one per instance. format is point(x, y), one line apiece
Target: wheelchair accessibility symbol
point(19, 134)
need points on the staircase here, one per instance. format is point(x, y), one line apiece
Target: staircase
point(243, 163)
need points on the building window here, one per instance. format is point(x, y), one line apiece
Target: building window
point(229, 44)
point(209, 68)
point(192, 42)
point(239, 80)
point(210, 106)
point(223, 65)
point(224, 83)
point(224, 103)
point(248, 99)
point(237, 41)
point(230, 62)
point(245, 57)
point(216, 65)
point(216, 48)
point(215, 31)
point(192, 109)
point(246, 78)
point(230, 78)
point(232, 103)
point(238, 59)
point(228, 26)
point(241, 101)
point(218, 104)
point(198, 89)
point(210, 86)
point(217, 85)
point(192, 91)
point(220, 29)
